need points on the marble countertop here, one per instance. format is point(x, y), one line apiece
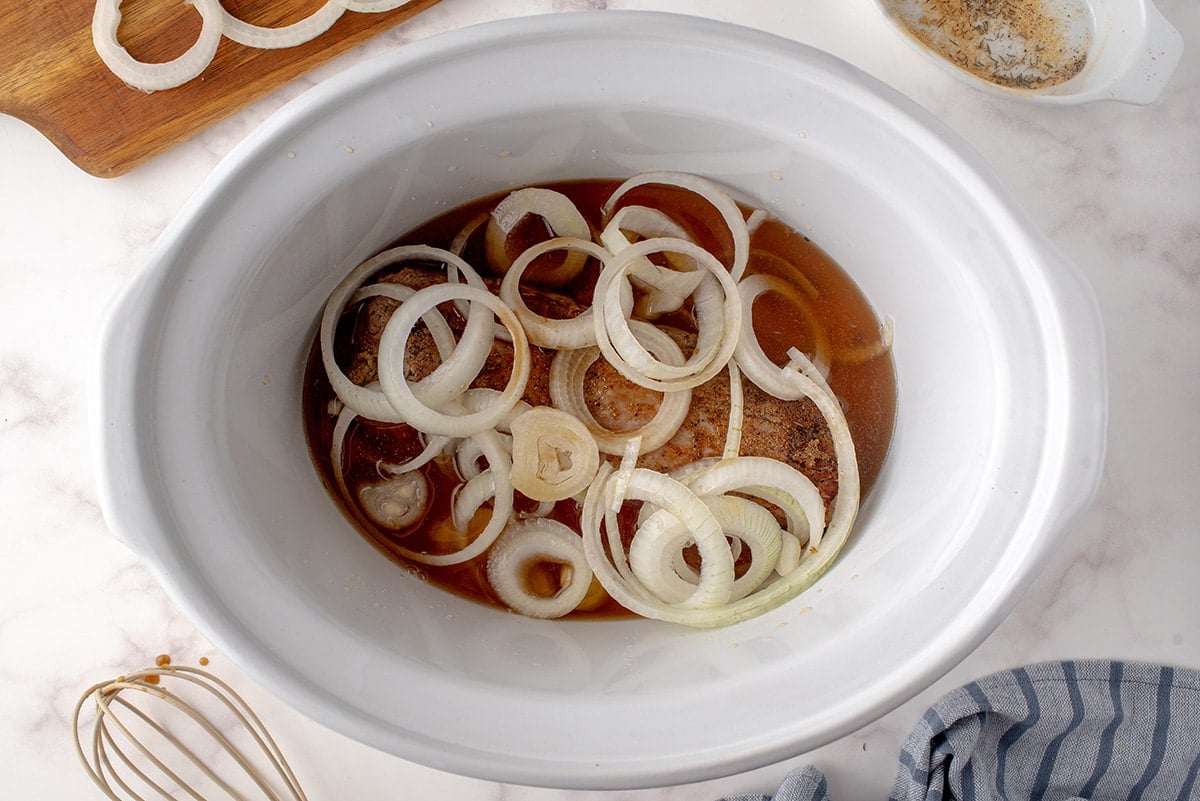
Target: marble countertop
point(1116, 187)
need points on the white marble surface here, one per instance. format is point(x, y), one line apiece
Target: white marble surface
point(1116, 187)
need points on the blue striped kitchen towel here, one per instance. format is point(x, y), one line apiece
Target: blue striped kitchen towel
point(1059, 731)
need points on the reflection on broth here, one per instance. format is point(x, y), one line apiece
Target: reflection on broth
point(596, 398)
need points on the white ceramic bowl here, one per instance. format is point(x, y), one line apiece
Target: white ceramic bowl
point(1132, 51)
point(206, 475)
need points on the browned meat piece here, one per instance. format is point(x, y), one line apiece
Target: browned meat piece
point(792, 431)
point(372, 316)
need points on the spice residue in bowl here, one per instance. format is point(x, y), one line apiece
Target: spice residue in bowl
point(1023, 44)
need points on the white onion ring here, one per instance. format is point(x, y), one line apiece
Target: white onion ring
point(528, 542)
point(477, 399)
point(542, 438)
point(397, 502)
point(373, 404)
point(725, 205)
point(433, 446)
point(459, 243)
point(772, 480)
point(750, 357)
point(716, 561)
point(338, 446)
point(717, 309)
point(798, 362)
point(665, 289)
point(737, 413)
point(151, 77)
point(569, 369)
point(499, 468)
point(469, 497)
point(439, 330)
point(673, 580)
point(400, 394)
point(296, 33)
point(815, 562)
point(396, 471)
point(755, 220)
point(561, 216)
point(546, 332)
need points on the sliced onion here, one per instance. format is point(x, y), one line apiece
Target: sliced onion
point(477, 399)
point(790, 551)
point(654, 556)
point(772, 480)
point(750, 357)
point(439, 330)
point(613, 498)
point(400, 394)
point(725, 205)
point(869, 351)
point(470, 497)
point(569, 369)
point(397, 502)
point(529, 542)
point(433, 446)
point(337, 448)
point(716, 561)
point(562, 218)
point(800, 363)
point(716, 307)
point(499, 468)
point(845, 505)
point(816, 559)
point(546, 332)
point(373, 404)
point(666, 289)
point(554, 455)
point(756, 219)
point(467, 454)
point(745, 521)
point(296, 33)
point(814, 562)
point(737, 413)
point(151, 77)
point(459, 244)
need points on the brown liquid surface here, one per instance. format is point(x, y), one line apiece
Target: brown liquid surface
point(827, 300)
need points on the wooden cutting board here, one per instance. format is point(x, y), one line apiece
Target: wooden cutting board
point(51, 77)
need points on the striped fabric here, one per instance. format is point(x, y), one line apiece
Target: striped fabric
point(1058, 731)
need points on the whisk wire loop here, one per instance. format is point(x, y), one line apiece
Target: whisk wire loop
point(110, 758)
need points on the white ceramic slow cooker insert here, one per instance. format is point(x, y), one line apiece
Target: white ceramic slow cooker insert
point(206, 473)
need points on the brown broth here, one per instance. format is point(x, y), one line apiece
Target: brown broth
point(865, 383)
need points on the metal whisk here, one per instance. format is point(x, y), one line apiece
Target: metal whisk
point(152, 738)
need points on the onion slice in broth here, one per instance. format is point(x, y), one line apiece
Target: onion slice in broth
point(719, 539)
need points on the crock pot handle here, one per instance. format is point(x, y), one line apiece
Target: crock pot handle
point(1086, 440)
point(1158, 55)
point(114, 388)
